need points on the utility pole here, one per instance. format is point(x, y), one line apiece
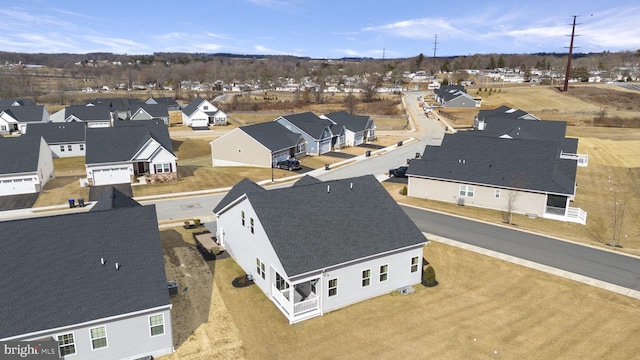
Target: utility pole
point(568, 72)
point(383, 50)
point(435, 47)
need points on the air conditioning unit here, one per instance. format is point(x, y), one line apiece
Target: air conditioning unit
point(461, 201)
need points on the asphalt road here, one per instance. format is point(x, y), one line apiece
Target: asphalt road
point(590, 262)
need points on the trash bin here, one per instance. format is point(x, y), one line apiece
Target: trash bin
point(408, 161)
point(367, 153)
point(72, 203)
point(173, 287)
point(399, 143)
point(417, 155)
point(326, 166)
point(81, 202)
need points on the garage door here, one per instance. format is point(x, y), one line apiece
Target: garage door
point(115, 175)
point(358, 139)
point(17, 186)
point(325, 146)
point(280, 156)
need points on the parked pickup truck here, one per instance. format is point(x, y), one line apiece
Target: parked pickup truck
point(399, 172)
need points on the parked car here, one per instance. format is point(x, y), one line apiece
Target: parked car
point(399, 172)
point(289, 164)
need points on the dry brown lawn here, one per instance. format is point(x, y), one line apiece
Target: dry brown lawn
point(579, 106)
point(483, 308)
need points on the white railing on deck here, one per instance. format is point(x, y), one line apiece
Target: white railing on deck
point(578, 215)
point(304, 306)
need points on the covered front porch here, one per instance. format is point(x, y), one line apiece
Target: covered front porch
point(297, 300)
point(557, 208)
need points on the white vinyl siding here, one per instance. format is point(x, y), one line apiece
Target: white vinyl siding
point(467, 190)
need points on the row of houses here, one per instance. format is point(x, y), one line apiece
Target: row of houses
point(17, 114)
point(512, 161)
point(290, 136)
point(129, 152)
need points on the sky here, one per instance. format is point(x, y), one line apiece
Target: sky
point(329, 29)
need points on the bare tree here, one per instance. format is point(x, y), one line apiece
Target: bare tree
point(619, 207)
point(510, 207)
point(350, 102)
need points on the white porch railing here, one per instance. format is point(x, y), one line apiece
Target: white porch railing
point(284, 303)
point(304, 306)
point(575, 215)
point(292, 310)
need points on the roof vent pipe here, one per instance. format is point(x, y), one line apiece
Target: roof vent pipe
point(351, 186)
point(328, 188)
point(117, 266)
point(102, 261)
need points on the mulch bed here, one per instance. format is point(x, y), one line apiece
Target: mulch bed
point(241, 281)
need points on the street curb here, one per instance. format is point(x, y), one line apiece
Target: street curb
point(540, 267)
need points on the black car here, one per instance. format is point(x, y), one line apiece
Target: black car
point(289, 164)
point(399, 172)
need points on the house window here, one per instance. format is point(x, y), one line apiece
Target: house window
point(98, 337)
point(205, 107)
point(163, 168)
point(156, 324)
point(300, 148)
point(384, 271)
point(69, 147)
point(242, 214)
point(496, 194)
point(61, 148)
point(251, 224)
point(66, 344)
point(260, 268)
point(333, 287)
point(281, 283)
point(366, 277)
point(81, 147)
point(467, 190)
point(414, 264)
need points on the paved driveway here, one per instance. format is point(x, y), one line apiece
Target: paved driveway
point(96, 192)
point(15, 202)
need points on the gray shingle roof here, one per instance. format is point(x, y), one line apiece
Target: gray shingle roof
point(113, 199)
point(502, 111)
point(88, 113)
point(355, 123)
point(166, 101)
point(155, 110)
point(508, 163)
point(26, 113)
point(523, 129)
point(272, 135)
point(239, 189)
point(20, 154)
point(57, 133)
point(306, 180)
point(193, 106)
point(310, 123)
point(317, 226)
point(118, 144)
point(117, 104)
point(56, 278)
point(7, 102)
